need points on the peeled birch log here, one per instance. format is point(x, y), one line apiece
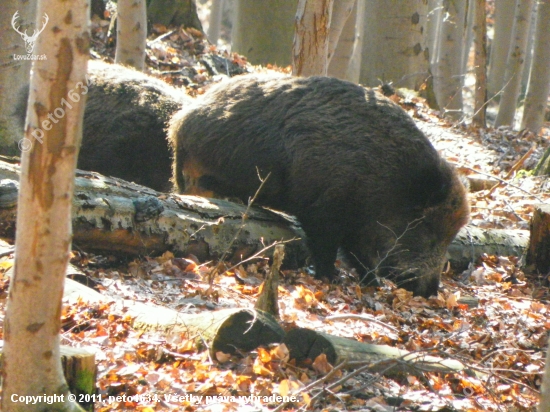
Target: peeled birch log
point(113, 215)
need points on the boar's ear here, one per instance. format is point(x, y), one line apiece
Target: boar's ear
point(430, 186)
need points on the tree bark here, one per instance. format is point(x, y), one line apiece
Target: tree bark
point(504, 23)
point(226, 330)
point(471, 242)
point(308, 344)
point(538, 254)
point(543, 166)
point(174, 13)
point(447, 62)
point(310, 54)
point(13, 71)
point(111, 215)
point(268, 300)
point(434, 21)
point(514, 64)
point(215, 21)
point(342, 34)
point(54, 127)
point(394, 49)
point(529, 50)
point(468, 33)
point(263, 30)
point(544, 404)
point(538, 90)
point(346, 62)
point(131, 33)
point(354, 67)
point(480, 64)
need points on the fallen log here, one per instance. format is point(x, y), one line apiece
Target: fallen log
point(305, 344)
point(471, 242)
point(236, 329)
point(225, 330)
point(113, 215)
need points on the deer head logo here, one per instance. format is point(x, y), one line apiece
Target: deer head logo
point(30, 41)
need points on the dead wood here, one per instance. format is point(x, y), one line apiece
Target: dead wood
point(471, 242)
point(112, 215)
point(225, 330)
point(308, 344)
point(538, 254)
point(268, 300)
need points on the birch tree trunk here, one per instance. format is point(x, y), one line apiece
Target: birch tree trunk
point(346, 62)
point(32, 364)
point(394, 49)
point(529, 50)
point(468, 33)
point(514, 64)
point(131, 33)
point(354, 66)
point(215, 21)
point(263, 30)
point(539, 80)
point(480, 63)
point(310, 54)
point(504, 22)
point(434, 26)
point(341, 14)
point(447, 62)
point(342, 54)
point(13, 71)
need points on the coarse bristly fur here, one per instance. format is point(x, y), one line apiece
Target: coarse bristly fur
point(348, 162)
point(124, 128)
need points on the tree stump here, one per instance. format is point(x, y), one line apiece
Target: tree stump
point(538, 253)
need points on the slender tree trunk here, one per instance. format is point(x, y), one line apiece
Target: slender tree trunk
point(539, 83)
point(468, 33)
point(341, 57)
point(310, 56)
point(263, 30)
point(480, 63)
point(434, 27)
point(354, 66)
point(447, 62)
point(32, 364)
point(529, 51)
point(13, 72)
point(131, 33)
point(215, 23)
point(544, 404)
point(514, 64)
point(394, 49)
point(341, 15)
point(504, 22)
point(174, 13)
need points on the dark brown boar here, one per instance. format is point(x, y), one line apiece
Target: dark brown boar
point(125, 121)
point(349, 163)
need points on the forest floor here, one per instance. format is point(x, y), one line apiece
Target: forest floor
point(502, 336)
